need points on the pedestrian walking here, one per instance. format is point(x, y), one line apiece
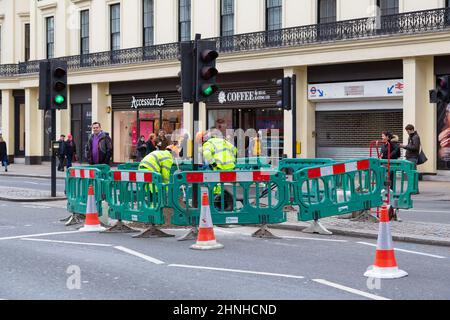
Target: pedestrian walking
point(151, 144)
point(61, 153)
point(70, 150)
point(141, 149)
point(99, 147)
point(162, 142)
point(413, 148)
point(3, 154)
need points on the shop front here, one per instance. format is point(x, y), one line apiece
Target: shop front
point(141, 114)
point(248, 101)
point(349, 115)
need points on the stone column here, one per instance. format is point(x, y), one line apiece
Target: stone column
point(34, 128)
point(7, 125)
point(419, 78)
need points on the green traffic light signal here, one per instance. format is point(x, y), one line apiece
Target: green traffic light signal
point(59, 99)
point(209, 90)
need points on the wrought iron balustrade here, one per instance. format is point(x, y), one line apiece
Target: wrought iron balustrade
point(398, 24)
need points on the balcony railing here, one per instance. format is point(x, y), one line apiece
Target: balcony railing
point(398, 24)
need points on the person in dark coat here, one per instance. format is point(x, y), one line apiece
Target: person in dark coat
point(141, 149)
point(395, 153)
point(162, 142)
point(3, 154)
point(70, 150)
point(413, 146)
point(99, 148)
point(61, 154)
point(151, 144)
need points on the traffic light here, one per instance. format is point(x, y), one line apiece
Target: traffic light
point(58, 84)
point(186, 87)
point(206, 55)
point(44, 86)
point(284, 92)
point(443, 89)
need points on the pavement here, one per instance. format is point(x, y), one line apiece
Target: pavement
point(407, 231)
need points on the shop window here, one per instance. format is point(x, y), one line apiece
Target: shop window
point(125, 136)
point(172, 120)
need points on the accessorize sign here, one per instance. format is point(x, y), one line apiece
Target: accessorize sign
point(147, 102)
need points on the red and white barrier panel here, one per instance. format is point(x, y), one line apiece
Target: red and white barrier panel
point(133, 176)
point(251, 176)
point(82, 173)
point(338, 169)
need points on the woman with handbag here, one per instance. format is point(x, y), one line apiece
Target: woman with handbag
point(3, 154)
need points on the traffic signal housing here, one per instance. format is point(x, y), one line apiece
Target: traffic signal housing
point(206, 55)
point(44, 85)
point(58, 85)
point(186, 75)
point(443, 89)
point(284, 92)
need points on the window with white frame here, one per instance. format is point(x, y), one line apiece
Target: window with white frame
point(226, 18)
point(149, 22)
point(326, 11)
point(114, 18)
point(50, 27)
point(273, 15)
point(388, 7)
point(184, 20)
point(84, 32)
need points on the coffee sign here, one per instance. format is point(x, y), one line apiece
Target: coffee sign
point(242, 96)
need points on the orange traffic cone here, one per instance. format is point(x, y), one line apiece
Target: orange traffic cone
point(206, 239)
point(92, 223)
point(385, 266)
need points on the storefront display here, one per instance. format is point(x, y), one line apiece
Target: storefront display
point(136, 115)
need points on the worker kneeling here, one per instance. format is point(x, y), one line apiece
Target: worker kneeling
point(220, 155)
point(159, 161)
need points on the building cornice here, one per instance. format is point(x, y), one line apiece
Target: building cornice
point(47, 5)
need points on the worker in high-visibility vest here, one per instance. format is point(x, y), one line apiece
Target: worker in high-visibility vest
point(217, 152)
point(159, 161)
point(220, 155)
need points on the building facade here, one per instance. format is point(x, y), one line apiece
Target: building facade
point(362, 66)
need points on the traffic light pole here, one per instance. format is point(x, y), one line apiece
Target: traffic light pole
point(53, 138)
point(294, 115)
point(195, 120)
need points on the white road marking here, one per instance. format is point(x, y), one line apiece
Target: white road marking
point(237, 271)
point(35, 207)
point(38, 235)
point(29, 182)
point(408, 251)
point(140, 255)
point(69, 242)
point(351, 290)
point(315, 239)
point(424, 210)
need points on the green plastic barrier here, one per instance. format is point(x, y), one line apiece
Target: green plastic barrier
point(77, 184)
point(405, 182)
point(136, 196)
point(339, 188)
point(252, 163)
point(290, 166)
point(128, 166)
point(254, 197)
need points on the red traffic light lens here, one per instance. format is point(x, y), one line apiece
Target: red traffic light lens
point(209, 55)
point(59, 72)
